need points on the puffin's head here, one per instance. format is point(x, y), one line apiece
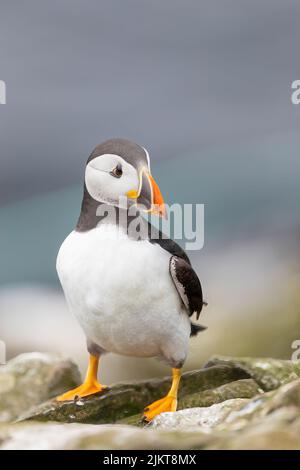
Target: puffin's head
point(118, 169)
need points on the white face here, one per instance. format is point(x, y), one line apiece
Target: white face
point(109, 178)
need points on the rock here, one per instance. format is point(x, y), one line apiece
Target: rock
point(287, 395)
point(245, 388)
point(30, 379)
point(58, 436)
point(267, 421)
point(233, 403)
point(207, 417)
point(125, 400)
point(278, 431)
point(284, 398)
point(267, 372)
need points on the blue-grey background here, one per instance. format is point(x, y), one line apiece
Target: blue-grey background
point(205, 86)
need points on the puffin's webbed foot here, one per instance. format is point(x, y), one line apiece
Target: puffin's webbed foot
point(167, 403)
point(83, 390)
point(90, 385)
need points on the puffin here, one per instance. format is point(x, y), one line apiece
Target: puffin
point(132, 289)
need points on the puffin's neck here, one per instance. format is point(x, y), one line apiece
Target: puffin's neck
point(89, 219)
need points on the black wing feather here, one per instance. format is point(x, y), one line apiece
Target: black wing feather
point(187, 284)
point(184, 277)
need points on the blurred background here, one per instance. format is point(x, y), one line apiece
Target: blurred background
point(205, 86)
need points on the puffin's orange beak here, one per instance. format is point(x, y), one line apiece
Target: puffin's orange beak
point(158, 203)
point(149, 195)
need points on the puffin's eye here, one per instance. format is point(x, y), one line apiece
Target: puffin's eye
point(117, 172)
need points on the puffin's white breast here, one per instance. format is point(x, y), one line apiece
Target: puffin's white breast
point(122, 293)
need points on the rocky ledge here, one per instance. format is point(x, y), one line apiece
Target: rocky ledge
point(231, 403)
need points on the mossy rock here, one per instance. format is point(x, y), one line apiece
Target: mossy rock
point(269, 373)
point(233, 403)
point(246, 388)
point(242, 389)
point(125, 400)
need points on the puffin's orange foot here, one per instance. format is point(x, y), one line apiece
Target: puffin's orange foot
point(83, 390)
point(168, 403)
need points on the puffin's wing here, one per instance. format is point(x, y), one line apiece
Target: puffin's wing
point(184, 277)
point(187, 284)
